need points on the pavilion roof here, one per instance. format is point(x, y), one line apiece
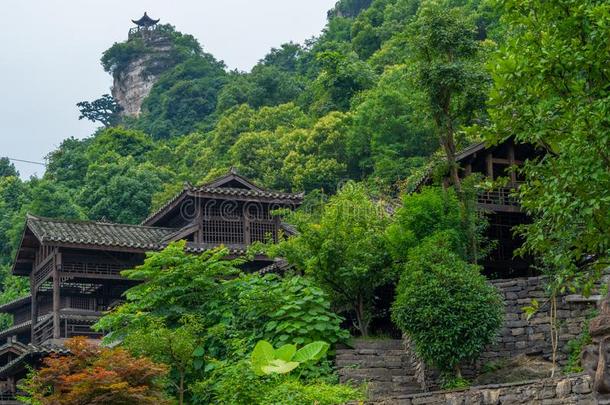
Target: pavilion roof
point(230, 186)
point(145, 21)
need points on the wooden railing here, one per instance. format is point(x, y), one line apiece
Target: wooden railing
point(97, 269)
point(499, 199)
point(43, 331)
point(44, 271)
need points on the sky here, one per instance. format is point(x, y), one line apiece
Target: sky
point(51, 51)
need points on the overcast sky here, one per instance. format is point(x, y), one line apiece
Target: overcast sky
point(51, 49)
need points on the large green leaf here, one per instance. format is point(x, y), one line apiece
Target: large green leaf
point(279, 367)
point(312, 351)
point(285, 352)
point(262, 355)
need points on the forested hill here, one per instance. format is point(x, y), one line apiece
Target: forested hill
point(342, 105)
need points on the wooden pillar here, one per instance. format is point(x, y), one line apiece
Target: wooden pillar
point(490, 165)
point(56, 297)
point(34, 305)
point(511, 162)
point(246, 216)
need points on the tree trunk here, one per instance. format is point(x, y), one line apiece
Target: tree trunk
point(181, 389)
point(361, 318)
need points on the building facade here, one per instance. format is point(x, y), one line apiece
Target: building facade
point(74, 267)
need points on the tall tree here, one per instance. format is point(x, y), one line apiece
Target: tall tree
point(551, 89)
point(447, 69)
point(344, 251)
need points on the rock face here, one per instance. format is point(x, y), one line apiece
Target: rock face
point(133, 83)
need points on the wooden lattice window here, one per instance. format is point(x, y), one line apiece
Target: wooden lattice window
point(222, 224)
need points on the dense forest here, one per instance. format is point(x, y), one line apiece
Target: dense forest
point(387, 93)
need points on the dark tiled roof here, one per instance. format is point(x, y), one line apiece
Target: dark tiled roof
point(28, 351)
point(15, 303)
point(97, 233)
point(216, 188)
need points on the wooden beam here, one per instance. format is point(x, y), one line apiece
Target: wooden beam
point(56, 297)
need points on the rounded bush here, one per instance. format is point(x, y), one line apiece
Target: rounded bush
point(446, 306)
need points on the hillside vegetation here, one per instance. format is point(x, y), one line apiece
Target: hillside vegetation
point(389, 90)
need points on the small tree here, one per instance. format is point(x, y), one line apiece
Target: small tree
point(445, 305)
point(180, 348)
point(105, 110)
point(94, 375)
point(343, 250)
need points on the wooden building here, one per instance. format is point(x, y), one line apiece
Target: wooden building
point(502, 208)
point(74, 266)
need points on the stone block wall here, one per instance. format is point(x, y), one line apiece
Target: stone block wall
point(569, 390)
point(533, 337)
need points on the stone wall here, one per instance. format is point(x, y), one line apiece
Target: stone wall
point(533, 337)
point(575, 389)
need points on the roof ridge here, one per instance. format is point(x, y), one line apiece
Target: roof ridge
point(92, 222)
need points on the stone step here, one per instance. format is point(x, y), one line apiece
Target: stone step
point(404, 364)
point(381, 344)
point(373, 374)
point(383, 390)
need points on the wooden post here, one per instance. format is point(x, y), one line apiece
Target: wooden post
point(490, 165)
point(34, 305)
point(511, 162)
point(56, 297)
point(246, 216)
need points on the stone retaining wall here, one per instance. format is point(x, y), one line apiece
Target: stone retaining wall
point(532, 337)
point(575, 389)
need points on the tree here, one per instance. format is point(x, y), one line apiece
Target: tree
point(93, 375)
point(179, 348)
point(445, 305)
point(447, 69)
point(436, 210)
point(343, 250)
point(7, 169)
point(105, 110)
point(551, 90)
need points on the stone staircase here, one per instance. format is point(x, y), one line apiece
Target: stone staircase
point(387, 366)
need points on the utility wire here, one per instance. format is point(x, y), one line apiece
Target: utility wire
point(26, 161)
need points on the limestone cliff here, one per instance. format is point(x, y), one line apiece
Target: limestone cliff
point(133, 82)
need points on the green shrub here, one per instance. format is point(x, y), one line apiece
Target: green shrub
point(304, 315)
point(292, 391)
point(446, 306)
point(237, 384)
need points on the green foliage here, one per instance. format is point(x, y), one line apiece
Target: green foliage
point(343, 250)
point(552, 90)
point(445, 305)
point(183, 98)
point(105, 110)
point(266, 360)
point(575, 346)
point(431, 211)
point(120, 55)
point(303, 314)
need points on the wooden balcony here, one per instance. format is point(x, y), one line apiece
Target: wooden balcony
point(499, 200)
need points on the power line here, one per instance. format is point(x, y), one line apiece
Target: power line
point(26, 161)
